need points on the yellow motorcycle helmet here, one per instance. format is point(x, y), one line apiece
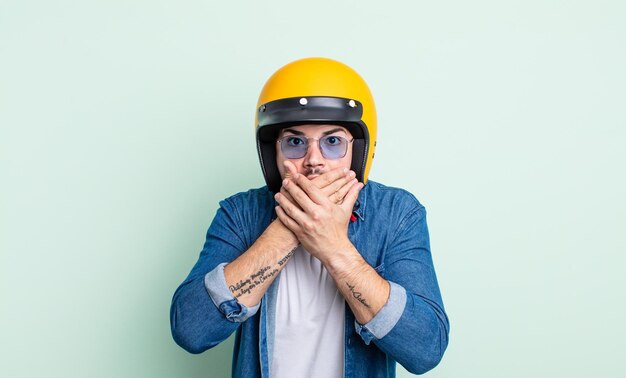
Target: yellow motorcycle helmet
point(315, 91)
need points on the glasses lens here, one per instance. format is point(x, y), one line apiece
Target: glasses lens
point(294, 147)
point(334, 147)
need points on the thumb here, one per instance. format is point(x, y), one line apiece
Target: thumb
point(291, 169)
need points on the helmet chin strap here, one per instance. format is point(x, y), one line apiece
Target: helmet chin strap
point(356, 206)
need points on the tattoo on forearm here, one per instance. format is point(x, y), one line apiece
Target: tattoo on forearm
point(282, 261)
point(358, 296)
point(245, 286)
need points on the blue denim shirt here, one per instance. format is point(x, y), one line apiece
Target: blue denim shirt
point(392, 236)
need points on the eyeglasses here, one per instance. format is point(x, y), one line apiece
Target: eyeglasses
point(331, 146)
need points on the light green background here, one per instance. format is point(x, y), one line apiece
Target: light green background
point(123, 123)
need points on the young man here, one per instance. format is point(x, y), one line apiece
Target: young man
point(320, 273)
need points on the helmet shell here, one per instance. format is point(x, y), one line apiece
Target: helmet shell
point(315, 91)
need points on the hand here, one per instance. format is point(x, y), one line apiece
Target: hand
point(334, 184)
point(320, 224)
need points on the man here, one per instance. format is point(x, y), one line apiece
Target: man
point(320, 273)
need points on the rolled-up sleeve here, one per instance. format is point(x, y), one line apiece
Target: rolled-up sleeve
point(386, 318)
point(223, 299)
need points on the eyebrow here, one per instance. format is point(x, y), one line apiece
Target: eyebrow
point(331, 131)
point(296, 132)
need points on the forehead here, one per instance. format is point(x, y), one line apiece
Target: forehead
point(315, 130)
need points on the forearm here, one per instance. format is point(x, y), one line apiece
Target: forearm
point(364, 290)
point(410, 327)
point(250, 275)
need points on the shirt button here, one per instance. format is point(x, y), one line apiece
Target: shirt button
point(349, 340)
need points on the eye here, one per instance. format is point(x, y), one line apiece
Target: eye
point(295, 141)
point(332, 140)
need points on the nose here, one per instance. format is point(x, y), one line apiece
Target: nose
point(313, 157)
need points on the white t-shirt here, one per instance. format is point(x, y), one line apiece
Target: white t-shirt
point(309, 332)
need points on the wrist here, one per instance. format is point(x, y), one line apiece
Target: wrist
point(342, 258)
point(279, 230)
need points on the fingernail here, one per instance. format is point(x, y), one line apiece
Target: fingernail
point(296, 176)
point(352, 174)
point(285, 182)
point(345, 170)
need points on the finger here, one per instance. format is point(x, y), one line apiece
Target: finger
point(291, 208)
point(287, 220)
point(341, 192)
point(330, 177)
point(290, 169)
point(286, 202)
point(312, 193)
point(337, 189)
point(351, 197)
point(340, 187)
point(300, 197)
point(285, 193)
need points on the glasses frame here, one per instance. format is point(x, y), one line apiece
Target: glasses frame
point(319, 145)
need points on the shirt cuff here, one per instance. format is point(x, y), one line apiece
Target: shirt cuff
point(220, 294)
point(387, 317)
